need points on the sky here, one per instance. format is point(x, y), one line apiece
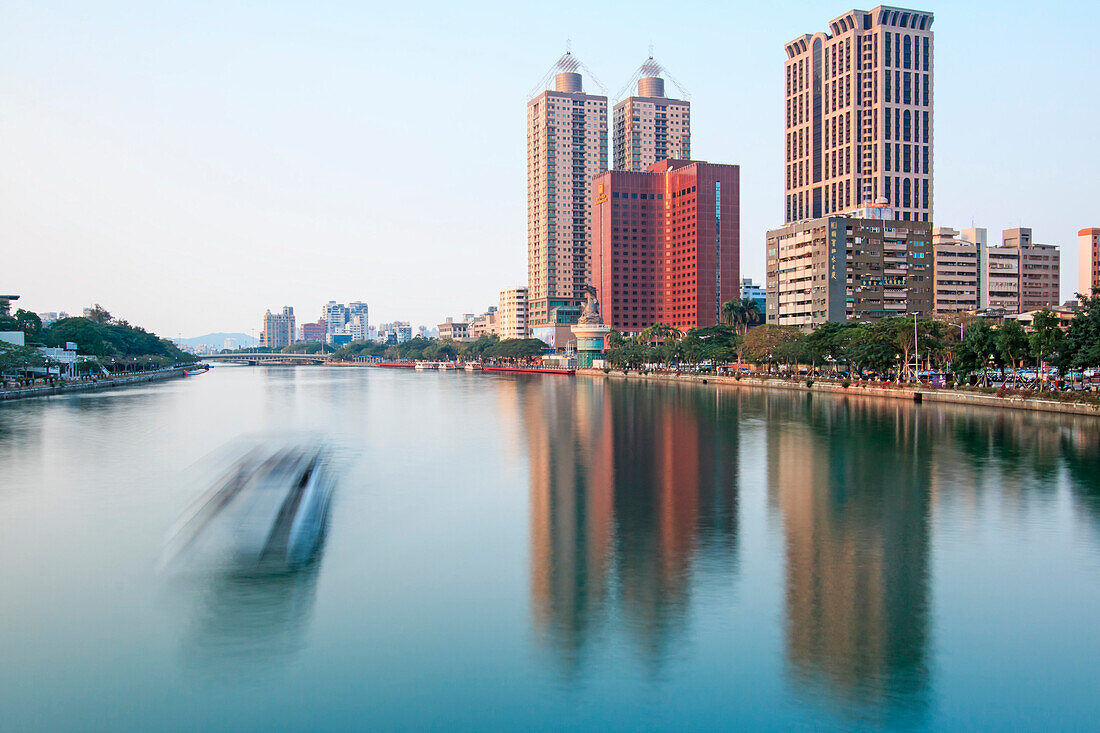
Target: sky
point(190, 165)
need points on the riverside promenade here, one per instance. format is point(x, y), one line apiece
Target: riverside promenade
point(90, 386)
point(900, 392)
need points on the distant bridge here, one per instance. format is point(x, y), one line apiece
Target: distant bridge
point(253, 358)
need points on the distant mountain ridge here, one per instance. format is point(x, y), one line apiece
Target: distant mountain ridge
point(218, 339)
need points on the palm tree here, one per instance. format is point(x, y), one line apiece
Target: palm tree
point(741, 313)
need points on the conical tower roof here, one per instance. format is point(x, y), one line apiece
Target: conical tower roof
point(566, 71)
point(650, 69)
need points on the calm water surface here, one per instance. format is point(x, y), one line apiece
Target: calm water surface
point(541, 552)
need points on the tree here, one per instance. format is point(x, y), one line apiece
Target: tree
point(974, 351)
point(770, 343)
point(833, 342)
point(1080, 347)
point(30, 324)
point(1045, 339)
point(875, 347)
point(99, 315)
point(659, 332)
point(1012, 343)
point(514, 349)
point(14, 360)
point(476, 349)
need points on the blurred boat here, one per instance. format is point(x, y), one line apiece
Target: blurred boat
point(267, 511)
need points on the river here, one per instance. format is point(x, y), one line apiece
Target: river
point(540, 552)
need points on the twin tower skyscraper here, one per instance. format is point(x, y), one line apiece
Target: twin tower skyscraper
point(566, 149)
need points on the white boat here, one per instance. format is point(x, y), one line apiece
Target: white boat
point(422, 365)
point(268, 511)
point(473, 366)
point(447, 365)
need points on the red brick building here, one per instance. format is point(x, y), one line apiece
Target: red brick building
point(666, 244)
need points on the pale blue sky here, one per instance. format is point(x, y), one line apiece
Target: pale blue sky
point(189, 165)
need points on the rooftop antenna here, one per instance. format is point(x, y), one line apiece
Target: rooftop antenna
point(567, 63)
point(650, 67)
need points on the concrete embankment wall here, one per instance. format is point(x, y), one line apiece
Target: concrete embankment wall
point(46, 391)
point(943, 396)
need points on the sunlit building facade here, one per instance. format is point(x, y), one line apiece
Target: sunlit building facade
point(859, 115)
point(666, 244)
point(566, 148)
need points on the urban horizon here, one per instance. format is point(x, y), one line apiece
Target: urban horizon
point(752, 230)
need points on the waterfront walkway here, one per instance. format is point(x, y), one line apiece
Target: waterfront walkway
point(46, 390)
point(866, 389)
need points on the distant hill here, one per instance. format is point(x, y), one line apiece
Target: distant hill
point(216, 340)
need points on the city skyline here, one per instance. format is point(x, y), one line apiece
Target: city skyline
point(219, 163)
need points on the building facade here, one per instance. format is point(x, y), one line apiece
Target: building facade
point(956, 275)
point(1020, 275)
point(1088, 262)
point(278, 330)
point(666, 244)
point(566, 148)
point(862, 266)
point(650, 127)
point(315, 332)
point(859, 115)
point(512, 314)
point(758, 294)
point(454, 330)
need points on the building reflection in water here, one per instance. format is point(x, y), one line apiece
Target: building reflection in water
point(632, 488)
point(851, 484)
point(856, 484)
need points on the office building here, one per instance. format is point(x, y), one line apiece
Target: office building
point(859, 115)
point(335, 315)
point(666, 244)
point(484, 324)
point(650, 127)
point(956, 275)
point(454, 330)
point(862, 266)
point(315, 332)
point(403, 331)
point(5, 304)
point(566, 148)
point(1020, 275)
point(339, 317)
point(278, 329)
point(358, 328)
point(358, 309)
point(1088, 262)
point(512, 313)
point(758, 294)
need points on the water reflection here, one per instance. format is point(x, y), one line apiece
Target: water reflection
point(251, 618)
point(856, 484)
point(632, 488)
point(852, 485)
